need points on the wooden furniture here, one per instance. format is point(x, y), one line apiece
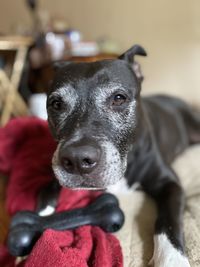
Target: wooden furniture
point(11, 101)
point(39, 78)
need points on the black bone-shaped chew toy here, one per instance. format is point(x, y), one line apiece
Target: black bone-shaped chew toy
point(26, 227)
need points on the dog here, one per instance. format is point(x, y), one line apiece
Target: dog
point(108, 135)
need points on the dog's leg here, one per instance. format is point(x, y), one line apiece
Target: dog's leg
point(168, 238)
point(47, 198)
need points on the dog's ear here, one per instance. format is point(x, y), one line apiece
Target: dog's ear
point(129, 55)
point(137, 70)
point(133, 51)
point(60, 64)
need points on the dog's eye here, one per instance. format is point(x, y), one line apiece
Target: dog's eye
point(56, 105)
point(118, 100)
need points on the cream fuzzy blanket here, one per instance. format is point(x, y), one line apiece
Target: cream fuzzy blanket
point(136, 236)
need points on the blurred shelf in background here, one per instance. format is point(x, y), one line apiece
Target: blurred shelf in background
point(11, 102)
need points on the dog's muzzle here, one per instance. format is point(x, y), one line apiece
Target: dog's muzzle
point(88, 165)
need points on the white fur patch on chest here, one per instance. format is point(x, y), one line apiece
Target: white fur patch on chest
point(166, 255)
point(122, 187)
point(47, 211)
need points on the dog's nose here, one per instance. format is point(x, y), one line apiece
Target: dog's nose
point(80, 159)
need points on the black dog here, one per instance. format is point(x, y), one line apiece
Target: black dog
point(108, 135)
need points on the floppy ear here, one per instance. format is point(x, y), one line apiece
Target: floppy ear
point(128, 56)
point(134, 50)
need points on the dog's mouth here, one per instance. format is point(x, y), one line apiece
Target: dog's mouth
point(81, 182)
point(89, 188)
point(109, 171)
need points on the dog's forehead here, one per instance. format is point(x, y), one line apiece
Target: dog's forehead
point(94, 74)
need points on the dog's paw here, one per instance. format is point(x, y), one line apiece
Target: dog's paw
point(170, 261)
point(165, 255)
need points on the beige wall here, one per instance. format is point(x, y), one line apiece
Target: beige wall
point(169, 30)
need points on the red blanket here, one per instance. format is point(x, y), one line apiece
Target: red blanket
point(26, 149)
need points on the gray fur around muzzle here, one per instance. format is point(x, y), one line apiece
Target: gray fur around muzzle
point(109, 169)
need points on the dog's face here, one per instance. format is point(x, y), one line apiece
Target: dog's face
point(92, 113)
